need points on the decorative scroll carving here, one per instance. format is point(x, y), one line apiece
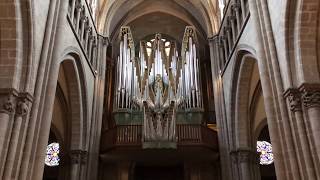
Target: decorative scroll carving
point(244, 155)
point(22, 107)
point(310, 95)
point(294, 99)
point(8, 105)
point(78, 156)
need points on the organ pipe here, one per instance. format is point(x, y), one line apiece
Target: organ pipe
point(135, 77)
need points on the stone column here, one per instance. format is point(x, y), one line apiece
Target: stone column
point(230, 41)
point(71, 9)
point(89, 43)
point(294, 101)
point(243, 10)
point(222, 53)
point(234, 165)
point(225, 47)
point(93, 156)
point(75, 164)
point(236, 8)
point(21, 112)
point(234, 30)
point(245, 159)
point(6, 119)
point(92, 53)
point(83, 163)
point(81, 23)
point(77, 18)
point(311, 102)
point(85, 41)
point(84, 20)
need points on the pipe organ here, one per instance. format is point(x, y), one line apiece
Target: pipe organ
point(159, 88)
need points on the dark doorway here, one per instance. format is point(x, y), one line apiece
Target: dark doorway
point(159, 173)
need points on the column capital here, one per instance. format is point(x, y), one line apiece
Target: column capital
point(213, 38)
point(243, 155)
point(104, 40)
point(310, 95)
point(227, 28)
point(22, 107)
point(236, 6)
point(78, 156)
point(8, 105)
point(294, 98)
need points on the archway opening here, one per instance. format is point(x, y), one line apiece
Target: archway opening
point(266, 165)
point(53, 158)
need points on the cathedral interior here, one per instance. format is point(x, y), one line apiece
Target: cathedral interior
point(159, 90)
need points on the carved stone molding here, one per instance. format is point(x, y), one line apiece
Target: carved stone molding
point(310, 95)
point(294, 99)
point(244, 155)
point(14, 102)
point(22, 107)
point(8, 105)
point(235, 6)
point(78, 156)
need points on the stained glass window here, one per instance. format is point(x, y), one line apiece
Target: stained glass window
point(265, 150)
point(52, 156)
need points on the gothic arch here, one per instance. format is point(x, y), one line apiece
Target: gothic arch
point(115, 14)
point(240, 119)
point(16, 44)
point(302, 22)
point(77, 101)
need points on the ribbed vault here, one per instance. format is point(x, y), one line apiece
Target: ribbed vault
point(202, 14)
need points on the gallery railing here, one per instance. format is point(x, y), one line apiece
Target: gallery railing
point(187, 135)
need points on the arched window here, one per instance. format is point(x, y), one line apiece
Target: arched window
point(52, 155)
point(265, 150)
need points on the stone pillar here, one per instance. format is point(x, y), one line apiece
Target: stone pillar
point(294, 101)
point(89, 44)
point(77, 157)
point(222, 53)
point(234, 165)
point(311, 102)
point(6, 118)
point(80, 8)
point(22, 110)
point(234, 30)
point(83, 163)
point(81, 24)
point(71, 9)
point(84, 20)
point(236, 8)
point(243, 10)
point(230, 41)
point(245, 159)
point(225, 47)
point(85, 41)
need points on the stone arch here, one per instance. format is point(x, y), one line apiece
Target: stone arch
point(77, 101)
point(242, 147)
point(302, 17)
point(16, 44)
point(114, 14)
point(242, 69)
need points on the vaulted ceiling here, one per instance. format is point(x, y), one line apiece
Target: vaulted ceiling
point(146, 17)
